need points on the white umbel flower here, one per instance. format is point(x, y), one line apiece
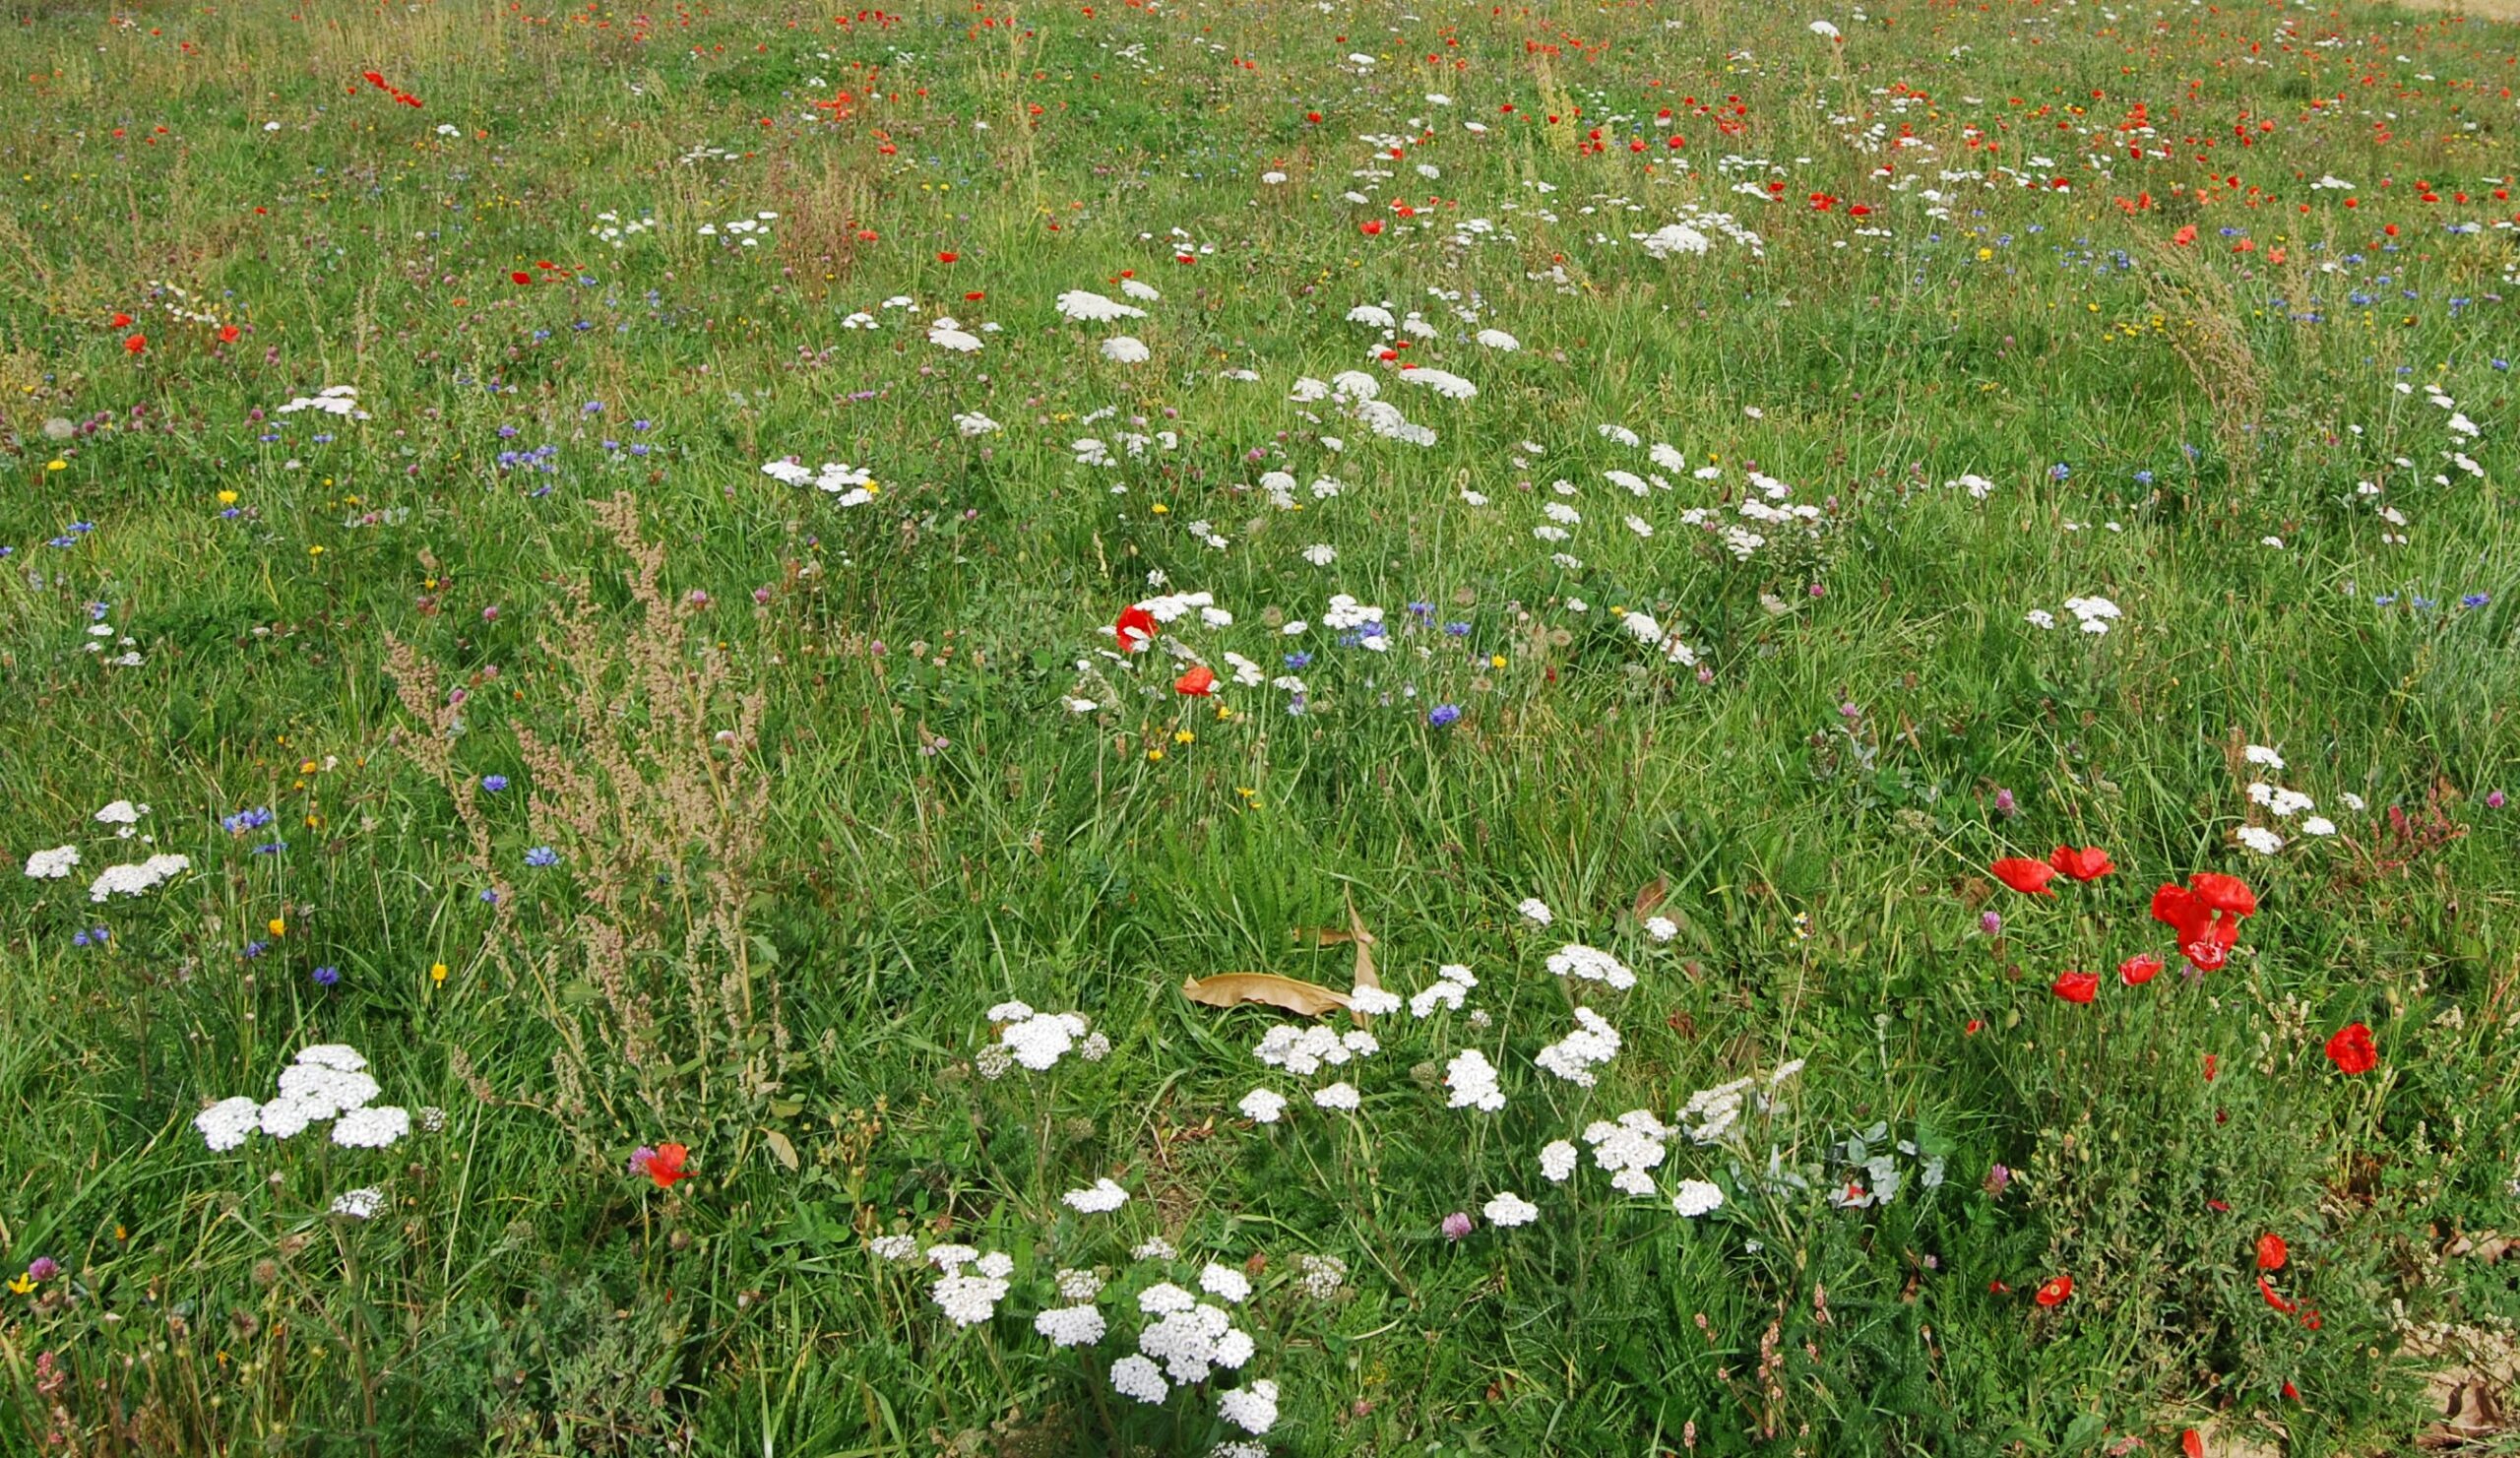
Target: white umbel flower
point(228, 1123)
point(1071, 1326)
point(1092, 308)
point(1695, 1197)
point(1126, 348)
point(1473, 1081)
point(1101, 1198)
point(1263, 1105)
point(1253, 1409)
point(1591, 964)
point(377, 1126)
point(1136, 1377)
point(1509, 1210)
point(52, 864)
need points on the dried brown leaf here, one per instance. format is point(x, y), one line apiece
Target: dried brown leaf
point(1233, 988)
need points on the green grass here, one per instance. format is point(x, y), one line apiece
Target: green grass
point(820, 801)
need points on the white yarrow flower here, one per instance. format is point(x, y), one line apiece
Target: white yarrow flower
point(1508, 1209)
point(1695, 1197)
point(1102, 1197)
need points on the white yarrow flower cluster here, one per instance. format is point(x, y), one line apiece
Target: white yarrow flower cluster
point(135, 879)
point(1508, 1210)
point(1591, 964)
point(850, 486)
point(969, 1299)
point(1088, 307)
point(1304, 1052)
point(1629, 1148)
point(52, 864)
point(1695, 1197)
point(1253, 1409)
point(1473, 1081)
point(1071, 1326)
point(326, 1081)
point(1452, 984)
point(1573, 1057)
point(1037, 1041)
point(1263, 1105)
point(1101, 1198)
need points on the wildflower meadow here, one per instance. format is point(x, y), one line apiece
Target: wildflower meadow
point(1248, 726)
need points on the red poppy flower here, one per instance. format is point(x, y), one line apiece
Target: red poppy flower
point(135, 343)
point(2206, 914)
point(2089, 863)
point(227, 335)
point(2139, 969)
point(2291, 1393)
point(2190, 1445)
point(2271, 1253)
point(2275, 1298)
point(2076, 986)
point(374, 78)
point(947, 257)
point(663, 1163)
point(2224, 893)
point(1313, 116)
point(1136, 629)
point(1199, 682)
point(2055, 1292)
point(2212, 1065)
point(1371, 227)
point(2029, 877)
point(520, 277)
point(2351, 1050)
point(122, 321)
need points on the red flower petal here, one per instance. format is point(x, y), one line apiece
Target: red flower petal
point(1136, 629)
point(2089, 863)
point(2351, 1050)
point(2076, 986)
point(2224, 893)
point(2029, 877)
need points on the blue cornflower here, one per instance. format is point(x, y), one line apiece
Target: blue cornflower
point(2475, 599)
point(494, 783)
point(1443, 715)
point(2143, 478)
point(326, 976)
point(542, 856)
point(2060, 471)
point(1298, 661)
point(245, 820)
